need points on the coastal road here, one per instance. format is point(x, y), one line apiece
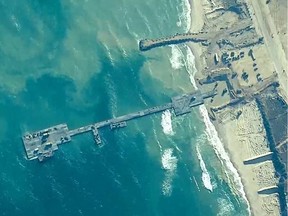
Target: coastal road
point(263, 20)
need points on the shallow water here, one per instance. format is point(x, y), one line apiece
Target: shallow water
point(78, 62)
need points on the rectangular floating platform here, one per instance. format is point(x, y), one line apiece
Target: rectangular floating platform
point(118, 125)
point(183, 104)
point(43, 143)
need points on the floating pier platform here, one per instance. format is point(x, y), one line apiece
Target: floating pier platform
point(42, 144)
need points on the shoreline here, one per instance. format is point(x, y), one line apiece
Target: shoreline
point(197, 22)
point(230, 56)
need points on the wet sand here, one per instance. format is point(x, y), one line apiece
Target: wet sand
point(238, 136)
point(245, 138)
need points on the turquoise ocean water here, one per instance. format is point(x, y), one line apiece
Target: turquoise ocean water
point(78, 62)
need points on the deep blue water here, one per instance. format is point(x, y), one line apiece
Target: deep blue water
point(78, 62)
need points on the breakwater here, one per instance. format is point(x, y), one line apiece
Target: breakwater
point(147, 44)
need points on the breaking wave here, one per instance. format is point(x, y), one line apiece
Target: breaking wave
point(221, 153)
point(166, 122)
point(185, 15)
point(225, 207)
point(205, 175)
point(176, 58)
point(169, 164)
point(212, 134)
point(190, 66)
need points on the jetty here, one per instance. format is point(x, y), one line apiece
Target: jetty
point(42, 144)
point(205, 38)
point(148, 44)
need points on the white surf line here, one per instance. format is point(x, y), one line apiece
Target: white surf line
point(213, 137)
point(185, 16)
point(218, 146)
point(176, 59)
point(220, 151)
point(205, 174)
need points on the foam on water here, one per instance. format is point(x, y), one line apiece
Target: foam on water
point(176, 58)
point(221, 153)
point(185, 16)
point(205, 175)
point(166, 122)
point(169, 164)
point(212, 134)
point(190, 66)
point(225, 206)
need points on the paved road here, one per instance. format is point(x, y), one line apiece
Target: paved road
point(266, 25)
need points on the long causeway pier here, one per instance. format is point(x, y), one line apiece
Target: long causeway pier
point(42, 144)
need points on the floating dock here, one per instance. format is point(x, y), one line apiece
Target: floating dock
point(42, 144)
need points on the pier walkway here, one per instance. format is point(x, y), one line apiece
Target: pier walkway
point(42, 144)
point(116, 122)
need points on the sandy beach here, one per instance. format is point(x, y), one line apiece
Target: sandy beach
point(243, 138)
point(197, 22)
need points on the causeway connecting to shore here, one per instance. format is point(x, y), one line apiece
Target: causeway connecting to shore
point(41, 144)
